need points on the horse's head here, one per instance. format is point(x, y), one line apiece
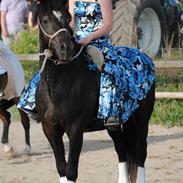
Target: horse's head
point(55, 33)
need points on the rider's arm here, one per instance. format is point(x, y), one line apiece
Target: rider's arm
point(71, 10)
point(3, 24)
point(106, 9)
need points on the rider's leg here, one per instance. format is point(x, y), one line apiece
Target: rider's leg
point(107, 104)
point(27, 99)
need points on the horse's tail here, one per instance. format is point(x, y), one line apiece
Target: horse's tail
point(130, 142)
point(135, 132)
point(132, 167)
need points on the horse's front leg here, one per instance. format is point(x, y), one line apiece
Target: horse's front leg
point(75, 146)
point(54, 134)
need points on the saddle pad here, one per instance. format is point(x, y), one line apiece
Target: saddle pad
point(11, 64)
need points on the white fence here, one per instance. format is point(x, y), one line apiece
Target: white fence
point(158, 64)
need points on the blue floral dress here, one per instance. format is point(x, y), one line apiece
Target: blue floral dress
point(127, 74)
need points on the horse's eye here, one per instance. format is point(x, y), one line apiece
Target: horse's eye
point(45, 21)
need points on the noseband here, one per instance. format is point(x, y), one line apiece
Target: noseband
point(48, 53)
point(53, 35)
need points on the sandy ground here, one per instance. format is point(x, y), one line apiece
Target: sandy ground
point(98, 162)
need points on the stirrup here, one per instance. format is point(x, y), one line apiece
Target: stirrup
point(111, 122)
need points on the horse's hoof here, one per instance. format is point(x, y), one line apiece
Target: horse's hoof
point(63, 180)
point(8, 152)
point(1, 94)
point(27, 149)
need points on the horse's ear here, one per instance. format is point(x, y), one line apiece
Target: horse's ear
point(35, 12)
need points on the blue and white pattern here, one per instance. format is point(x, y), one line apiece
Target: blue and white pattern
point(27, 99)
point(128, 73)
point(126, 77)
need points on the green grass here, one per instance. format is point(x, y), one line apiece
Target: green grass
point(29, 68)
point(168, 113)
point(169, 80)
point(27, 42)
point(14, 113)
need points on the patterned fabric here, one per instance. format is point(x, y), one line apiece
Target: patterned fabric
point(27, 99)
point(128, 73)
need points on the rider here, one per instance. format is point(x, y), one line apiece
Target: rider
point(119, 90)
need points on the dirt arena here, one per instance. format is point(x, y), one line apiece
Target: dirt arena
point(98, 161)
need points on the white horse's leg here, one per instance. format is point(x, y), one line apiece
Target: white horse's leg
point(8, 151)
point(69, 181)
point(123, 172)
point(140, 175)
point(63, 180)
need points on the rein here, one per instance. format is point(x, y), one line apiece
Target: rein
point(48, 53)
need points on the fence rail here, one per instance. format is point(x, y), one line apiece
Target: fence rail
point(158, 64)
point(169, 95)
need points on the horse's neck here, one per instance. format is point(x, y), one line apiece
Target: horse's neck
point(77, 49)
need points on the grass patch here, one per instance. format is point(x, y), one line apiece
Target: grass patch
point(27, 42)
point(14, 113)
point(29, 68)
point(173, 54)
point(168, 113)
point(169, 80)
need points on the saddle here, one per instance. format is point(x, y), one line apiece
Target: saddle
point(96, 56)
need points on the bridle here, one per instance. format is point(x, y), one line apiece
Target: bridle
point(48, 53)
point(53, 35)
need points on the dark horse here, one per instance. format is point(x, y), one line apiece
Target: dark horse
point(5, 116)
point(67, 97)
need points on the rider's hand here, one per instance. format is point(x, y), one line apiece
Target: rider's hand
point(5, 33)
point(86, 40)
